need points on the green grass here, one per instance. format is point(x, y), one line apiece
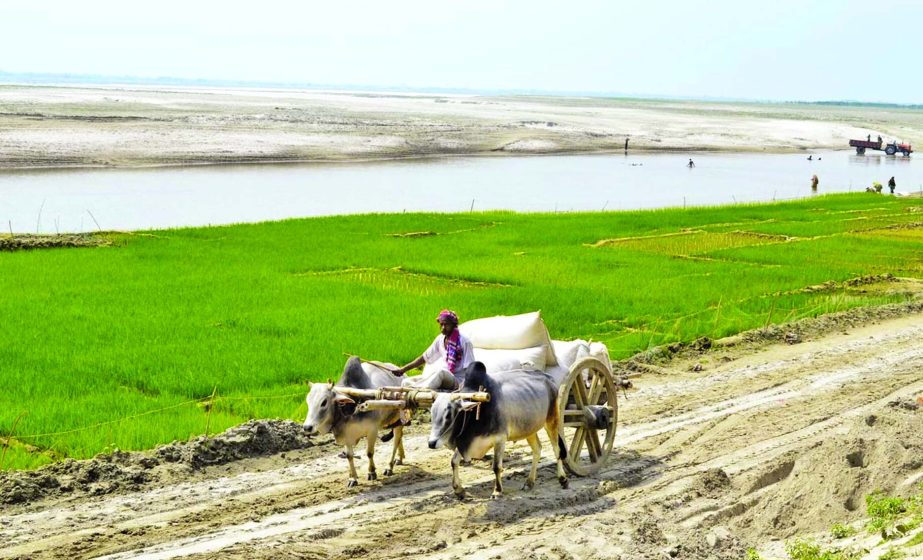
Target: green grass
point(917, 539)
point(894, 517)
point(884, 511)
point(893, 554)
point(807, 550)
point(840, 531)
point(90, 338)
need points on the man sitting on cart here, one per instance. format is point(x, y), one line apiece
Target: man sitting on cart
point(449, 354)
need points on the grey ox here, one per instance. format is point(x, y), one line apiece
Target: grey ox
point(330, 411)
point(521, 404)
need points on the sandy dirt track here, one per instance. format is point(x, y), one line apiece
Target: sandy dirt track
point(762, 444)
point(127, 126)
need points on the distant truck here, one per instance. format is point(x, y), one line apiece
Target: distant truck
point(890, 149)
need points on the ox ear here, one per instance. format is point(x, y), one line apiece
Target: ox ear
point(343, 400)
point(468, 405)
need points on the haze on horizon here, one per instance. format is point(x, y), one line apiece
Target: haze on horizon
point(784, 50)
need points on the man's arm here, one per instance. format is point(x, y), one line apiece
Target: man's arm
point(429, 354)
point(412, 365)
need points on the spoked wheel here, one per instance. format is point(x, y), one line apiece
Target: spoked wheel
point(588, 408)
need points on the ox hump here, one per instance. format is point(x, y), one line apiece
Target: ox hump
point(476, 377)
point(354, 376)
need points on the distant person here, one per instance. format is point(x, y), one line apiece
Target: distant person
point(892, 184)
point(691, 164)
point(868, 138)
point(879, 138)
point(814, 182)
point(626, 143)
point(876, 186)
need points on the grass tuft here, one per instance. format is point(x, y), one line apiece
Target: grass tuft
point(839, 531)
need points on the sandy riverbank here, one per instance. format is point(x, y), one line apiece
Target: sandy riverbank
point(47, 126)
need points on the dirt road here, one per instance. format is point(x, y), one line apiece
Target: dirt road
point(762, 443)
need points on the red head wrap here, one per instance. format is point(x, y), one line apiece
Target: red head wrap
point(446, 315)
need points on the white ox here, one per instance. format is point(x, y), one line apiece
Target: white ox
point(521, 404)
point(331, 411)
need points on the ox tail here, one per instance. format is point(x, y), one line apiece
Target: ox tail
point(562, 448)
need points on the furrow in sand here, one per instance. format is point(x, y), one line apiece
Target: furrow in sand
point(624, 503)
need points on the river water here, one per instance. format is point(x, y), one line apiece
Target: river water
point(165, 197)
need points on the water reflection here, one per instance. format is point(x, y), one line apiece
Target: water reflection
point(879, 160)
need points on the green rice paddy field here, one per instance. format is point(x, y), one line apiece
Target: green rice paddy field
point(122, 345)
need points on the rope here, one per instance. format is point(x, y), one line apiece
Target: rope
point(99, 424)
point(412, 396)
point(155, 411)
point(271, 397)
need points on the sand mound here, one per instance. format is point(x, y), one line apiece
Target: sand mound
point(811, 491)
point(255, 438)
point(22, 242)
point(122, 470)
point(530, 145)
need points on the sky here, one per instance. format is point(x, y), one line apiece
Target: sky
point(777, 50)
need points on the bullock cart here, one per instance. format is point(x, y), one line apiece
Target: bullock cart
point(587, 408)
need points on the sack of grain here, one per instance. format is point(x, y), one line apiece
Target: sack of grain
point(510, 332)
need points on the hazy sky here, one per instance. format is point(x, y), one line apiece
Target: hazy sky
point(773, 49)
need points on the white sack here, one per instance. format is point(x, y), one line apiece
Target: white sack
point(599, 351)
point(568, 352)
point(510, 332)
point(530, 359)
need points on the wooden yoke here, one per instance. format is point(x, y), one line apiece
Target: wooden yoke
point(390, 398)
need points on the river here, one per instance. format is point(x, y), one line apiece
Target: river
point(73, 200)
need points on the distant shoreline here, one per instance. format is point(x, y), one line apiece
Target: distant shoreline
point(79, 80)
point(51, 166)
point(143, 126)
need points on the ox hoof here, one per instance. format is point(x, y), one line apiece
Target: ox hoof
point(399, 461)
point(564, 482)
point(352, 483)
point(388, 472)
point(496, 495)
point(528, 484)
point(460, 493)
point(373, 476)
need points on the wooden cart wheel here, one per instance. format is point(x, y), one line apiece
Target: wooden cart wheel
point(588, 409)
